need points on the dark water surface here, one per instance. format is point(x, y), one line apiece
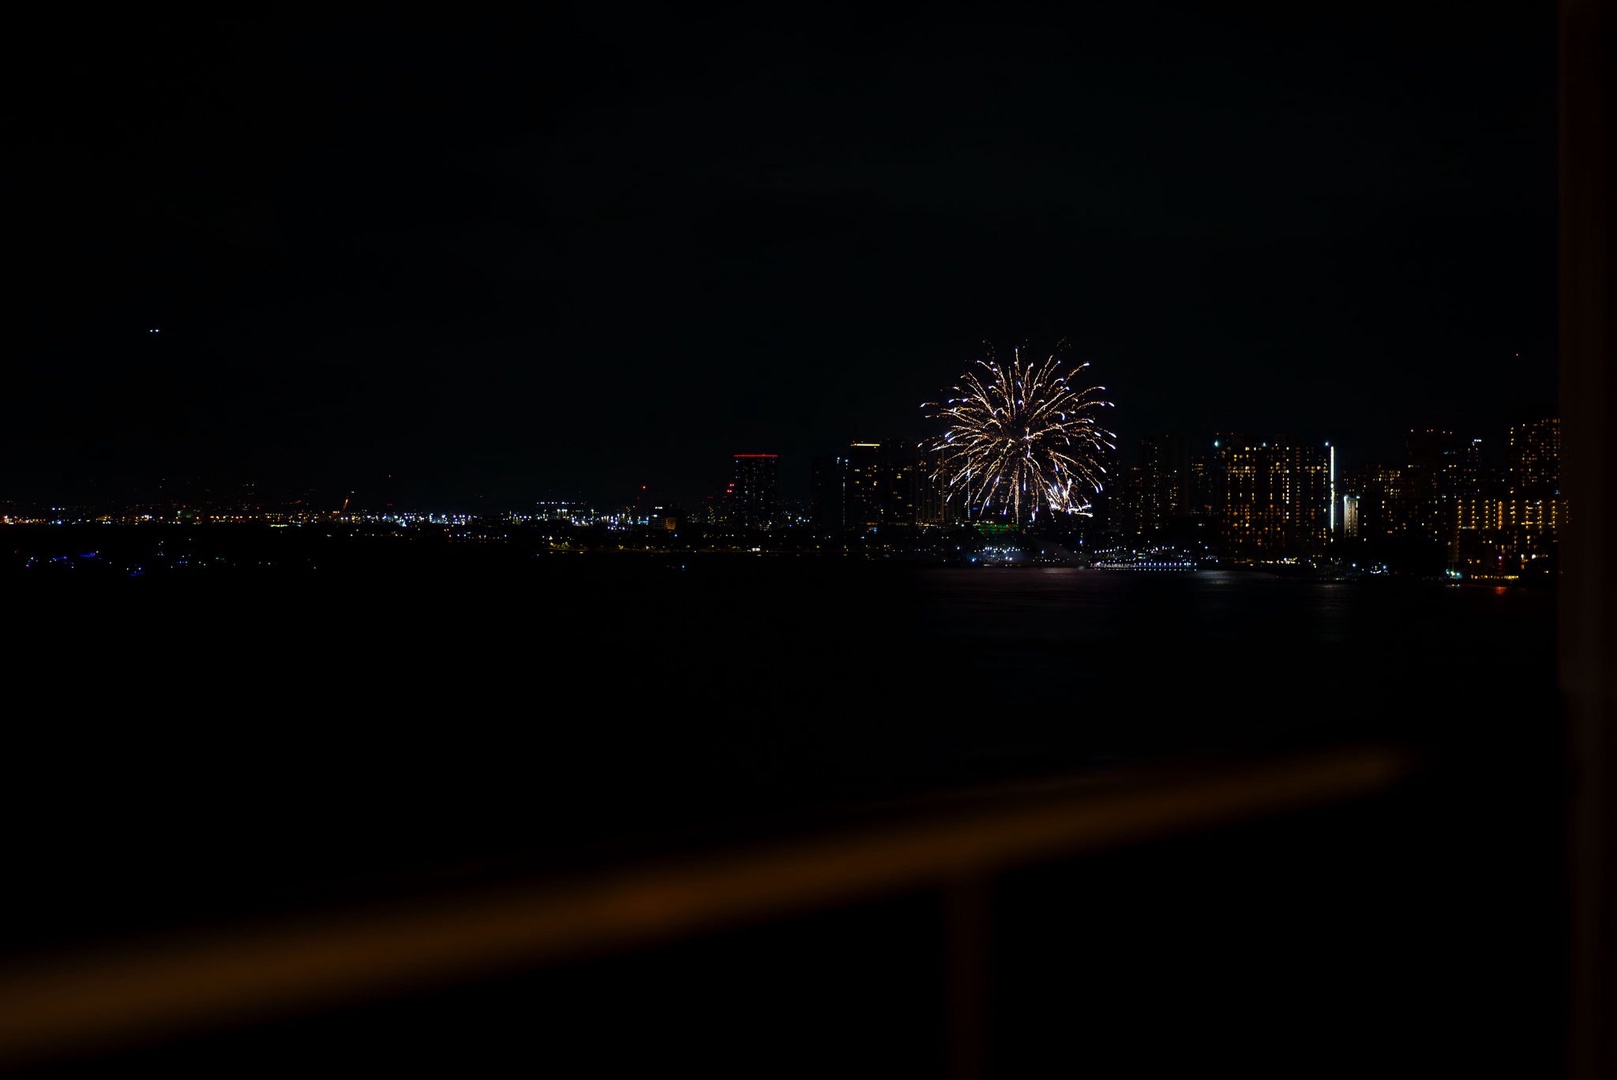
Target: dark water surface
point(188, 746)
point(261, 735)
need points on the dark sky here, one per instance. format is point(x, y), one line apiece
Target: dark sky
point(565, 253)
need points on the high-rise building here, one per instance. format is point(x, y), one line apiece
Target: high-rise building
point(1273, 496)
point(932, 504)
point(863, 485)
point(1438, 466)
point(882, 484)
point(1199, 487)
point(872, 485)
point(1533, 511)
point(1130, 512)
point(1534, 453)
point(1164, 465)
point(1349, 526)
point(1377, 492)
point(755, 491)
point(901, 482)
point(828, 495)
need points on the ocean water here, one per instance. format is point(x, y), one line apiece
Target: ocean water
point(186, 747)
point(251, 739)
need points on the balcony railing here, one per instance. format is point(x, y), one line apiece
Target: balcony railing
point(95, 1003)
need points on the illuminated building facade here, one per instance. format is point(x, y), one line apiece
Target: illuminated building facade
point(1535, 457)
point(1128, 515)
point(1273, 497)
point(1378, 512)
point(863, 485)
point(880, 484)
point(1491, 526)
point(901, 483)
point(1439, 467)
point(871, 485)
point(1349, 524)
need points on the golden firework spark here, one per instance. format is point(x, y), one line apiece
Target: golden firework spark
point(1020, 440)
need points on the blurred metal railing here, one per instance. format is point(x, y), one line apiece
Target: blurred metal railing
point(79, 1003)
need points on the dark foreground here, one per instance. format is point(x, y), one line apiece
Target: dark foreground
point(202, 749)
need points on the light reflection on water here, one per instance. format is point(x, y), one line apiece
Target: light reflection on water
point(1142, 665)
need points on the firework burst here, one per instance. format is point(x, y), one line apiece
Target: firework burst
point(1020, 440)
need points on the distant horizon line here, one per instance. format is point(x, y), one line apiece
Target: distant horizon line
point(126, 490)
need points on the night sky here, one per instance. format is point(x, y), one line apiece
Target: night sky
point(562, 254)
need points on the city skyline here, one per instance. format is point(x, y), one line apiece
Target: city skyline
point(792, 481)
point(1271, 504)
